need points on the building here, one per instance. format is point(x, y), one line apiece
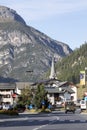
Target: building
point(7, 93)
point(58, 91)
point(52, 71)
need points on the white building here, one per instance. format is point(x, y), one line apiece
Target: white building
point(7, 93)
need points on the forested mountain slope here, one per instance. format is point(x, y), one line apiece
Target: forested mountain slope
point(69, 68)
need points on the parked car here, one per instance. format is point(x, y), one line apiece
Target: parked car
point(70, 106)
point(78, 103)
point(20, 108)
point(83, 105)
point(6, 107)
point(0, 107)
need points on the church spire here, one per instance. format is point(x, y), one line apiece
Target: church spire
point(52, 73)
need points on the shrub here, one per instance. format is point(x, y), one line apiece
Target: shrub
point(9, 112)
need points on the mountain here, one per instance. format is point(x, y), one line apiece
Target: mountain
point(69, 67)
point(25, 52)
point(7, 15)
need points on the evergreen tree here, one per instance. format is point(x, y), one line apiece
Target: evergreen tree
point(26, 96)
point(40, 98)
point(69, 67)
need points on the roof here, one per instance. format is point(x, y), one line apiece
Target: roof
point(7, 86)
point(69, 90)
point(21, 85)
point(46, 81)
point(57, 90)
point(51, 82)
point(53, 90)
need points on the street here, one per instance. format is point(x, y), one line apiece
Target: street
point(57, 120)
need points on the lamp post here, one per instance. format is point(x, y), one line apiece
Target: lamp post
point(33, 95)
point(86, 86)
point(86, 77)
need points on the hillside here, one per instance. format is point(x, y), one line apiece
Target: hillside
point(69, 68)
point(24, 48)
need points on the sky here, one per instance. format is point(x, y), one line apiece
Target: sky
point(62, 20)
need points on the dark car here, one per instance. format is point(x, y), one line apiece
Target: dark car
point(20, 108)
point(70, 107)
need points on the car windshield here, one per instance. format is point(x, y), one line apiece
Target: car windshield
point(69, 103)
point(82, 102)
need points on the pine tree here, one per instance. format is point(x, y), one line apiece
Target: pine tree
point(40, 98)
point(26, 96)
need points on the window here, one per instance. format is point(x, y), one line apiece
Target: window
point(6, 96)
point(50, 95)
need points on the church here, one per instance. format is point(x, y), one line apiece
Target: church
point(58, 91)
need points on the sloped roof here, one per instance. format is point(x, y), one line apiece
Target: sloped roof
point(57, 90)
point(68, 89)
point(53, 90)
point(21, 85)
point(51, 81)
point(7, 86)
point(46, 81)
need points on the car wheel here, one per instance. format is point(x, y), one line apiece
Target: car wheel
point(73, 112)
point(66, 112)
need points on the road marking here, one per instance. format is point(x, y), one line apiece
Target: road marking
point(40, 127)
point(13, 119)
point(83, 121)
point(72, 120)
point(1, 120)
point(51, 122)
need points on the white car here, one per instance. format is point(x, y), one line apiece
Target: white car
point(83, 105)
point(6, 107)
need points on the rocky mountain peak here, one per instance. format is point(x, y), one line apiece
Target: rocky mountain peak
point(23, 48)
point(8, 15)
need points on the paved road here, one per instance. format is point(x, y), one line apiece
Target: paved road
point(52, 121)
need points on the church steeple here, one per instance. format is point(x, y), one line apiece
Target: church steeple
point(52, 72)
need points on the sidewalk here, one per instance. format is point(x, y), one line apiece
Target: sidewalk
point(29, 112)
point(4, 116)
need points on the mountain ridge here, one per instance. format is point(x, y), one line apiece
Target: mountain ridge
point(7, 14)
point(23, 48)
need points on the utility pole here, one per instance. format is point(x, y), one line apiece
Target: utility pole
point(86, 77)
point(86, 85)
